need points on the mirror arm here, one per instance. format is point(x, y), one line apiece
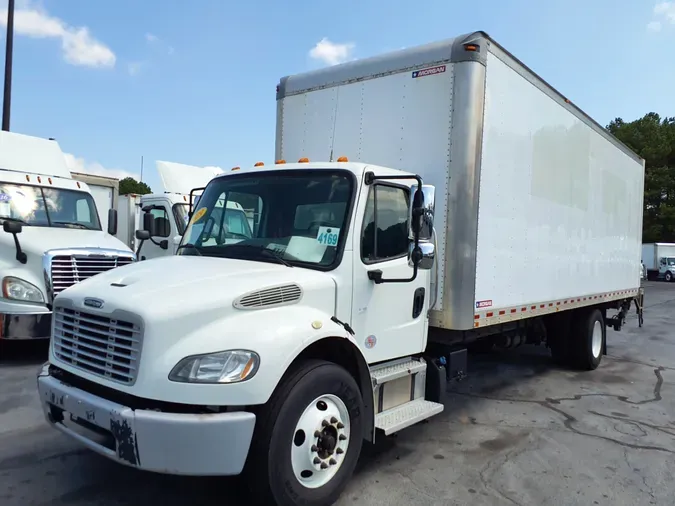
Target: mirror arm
point(20, 255)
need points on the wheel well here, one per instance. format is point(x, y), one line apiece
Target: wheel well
point(342, 352)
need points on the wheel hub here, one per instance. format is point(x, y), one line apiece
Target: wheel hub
point(320, 441)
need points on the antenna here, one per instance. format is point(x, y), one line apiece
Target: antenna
point(141, 168)
point(332, 136)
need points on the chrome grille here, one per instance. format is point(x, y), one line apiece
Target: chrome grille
point(97, 344)
point(275, 296)
point(67, 270)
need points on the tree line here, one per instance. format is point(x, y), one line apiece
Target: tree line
point(653, 138)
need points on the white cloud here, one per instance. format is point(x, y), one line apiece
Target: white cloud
point(664, 12)
point(330, 52)
point(78, 45)
point(151, 37)
point(76, 164)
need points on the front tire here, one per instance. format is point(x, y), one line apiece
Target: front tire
point(669, 276)
point(308, 437)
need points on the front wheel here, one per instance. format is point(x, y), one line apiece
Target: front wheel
point(308, 437)
point(669, 276)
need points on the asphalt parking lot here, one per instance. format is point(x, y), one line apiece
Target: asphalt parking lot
point(519, 431)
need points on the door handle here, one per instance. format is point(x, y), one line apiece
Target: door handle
point(418, 302)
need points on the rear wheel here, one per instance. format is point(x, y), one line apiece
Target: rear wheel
point(308, 437)
point(588, 339)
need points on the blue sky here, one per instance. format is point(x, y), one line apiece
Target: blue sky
point(194, 82)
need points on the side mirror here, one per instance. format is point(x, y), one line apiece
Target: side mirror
point(424, 255)
point(421, 212)
point(12, 227)
point(164, 244)
point(142, 235)
point(149, 223)
point(112, 221)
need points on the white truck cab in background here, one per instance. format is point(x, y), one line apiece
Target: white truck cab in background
point(169, 210)
point(280, 353)
point(659, 260)
point(52, 236)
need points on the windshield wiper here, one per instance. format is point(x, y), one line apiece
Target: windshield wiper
point(275, 255)
point(191, 246)
point(72, 224)
point(262, 250)
point(18, 220)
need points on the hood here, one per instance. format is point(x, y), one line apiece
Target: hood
point(165, 288)
point(35, 241)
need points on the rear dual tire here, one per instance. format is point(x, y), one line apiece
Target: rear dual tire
point(578, 340)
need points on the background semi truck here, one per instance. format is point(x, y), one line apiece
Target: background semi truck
point(659, 260)
point(479, 206)
point(52, 234)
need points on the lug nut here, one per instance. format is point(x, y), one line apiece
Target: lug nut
point(324, 465)
point(342, 437)
point(339, 451)
point(317, 433)
point(324, 423)
point(315, 448)
point(332, 462)
point(317, 460)
point(333, 420)
point(340, 425)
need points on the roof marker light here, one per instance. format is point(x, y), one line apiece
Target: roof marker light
point(235, 168)
point(280, 162)
point(343, 159)
point(259, 164)
point(303, 160)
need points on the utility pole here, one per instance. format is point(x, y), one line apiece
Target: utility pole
point(9, 47)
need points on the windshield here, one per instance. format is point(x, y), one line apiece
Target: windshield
point(293, 217)
point(48, 207)
point(670, 261)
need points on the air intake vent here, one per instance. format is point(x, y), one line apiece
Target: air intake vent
point(269, 297)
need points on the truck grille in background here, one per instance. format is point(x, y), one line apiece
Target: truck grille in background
point(67, 270)
point(97, 344)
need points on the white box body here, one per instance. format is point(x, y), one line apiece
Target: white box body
point(537, 205)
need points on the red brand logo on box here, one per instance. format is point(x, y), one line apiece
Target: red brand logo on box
point(428, 72)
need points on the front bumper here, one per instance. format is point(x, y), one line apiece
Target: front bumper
point(25, 326)
point(213, 444)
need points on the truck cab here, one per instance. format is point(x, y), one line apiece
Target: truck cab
point(52, 236)
point(169, 210)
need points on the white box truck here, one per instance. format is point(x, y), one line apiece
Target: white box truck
point(105, 191)
point(479, 206)
point(659, 260)
point(52, 234)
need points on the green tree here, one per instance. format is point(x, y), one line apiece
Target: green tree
point(653, 139)
point(130, 185)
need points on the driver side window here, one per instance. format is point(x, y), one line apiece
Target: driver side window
point(162, 224)
point(385, 224)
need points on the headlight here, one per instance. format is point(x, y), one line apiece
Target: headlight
point(223, 367)
point(18, 289)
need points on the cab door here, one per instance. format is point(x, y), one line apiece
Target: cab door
point(389, 319)
point(164, 230)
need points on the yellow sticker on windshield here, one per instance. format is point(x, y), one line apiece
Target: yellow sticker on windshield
point(199, 215)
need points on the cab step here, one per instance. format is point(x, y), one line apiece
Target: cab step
point(407, 414)
point(399, 389)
